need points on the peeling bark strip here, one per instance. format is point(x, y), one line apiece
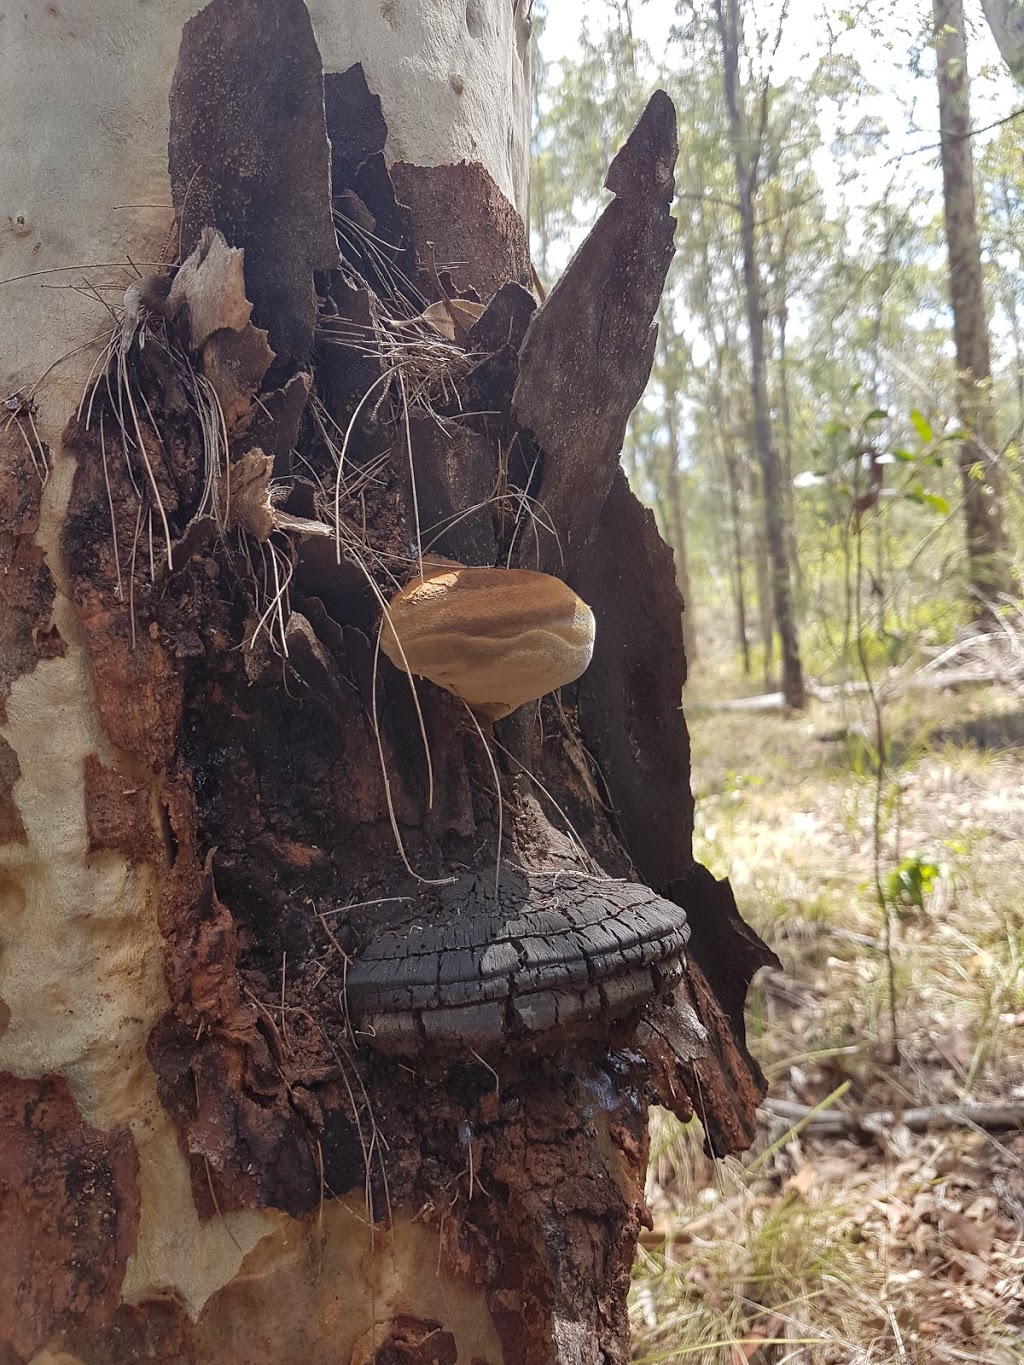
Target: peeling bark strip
point(331, 846)
point(12, 826)
point(590, 347)
point(641, 745)
point(249, 155)
point(69, 1213)
point(26, 584)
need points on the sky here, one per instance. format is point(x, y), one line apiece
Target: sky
point(907, 104)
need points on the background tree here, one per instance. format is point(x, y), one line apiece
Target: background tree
point(747, 149)
point(988, 571)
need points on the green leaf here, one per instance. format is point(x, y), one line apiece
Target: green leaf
point(877, 415)
point(908, 884)
point(922, 426)
point(937, 503)
point(925, 499)
point(905, 455)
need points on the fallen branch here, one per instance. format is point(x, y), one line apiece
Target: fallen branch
point(893, 687)
point(933, 1118)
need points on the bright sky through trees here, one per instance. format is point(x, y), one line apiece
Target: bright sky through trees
point(889, 40)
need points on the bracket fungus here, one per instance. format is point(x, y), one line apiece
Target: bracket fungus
point(497, 638)
point(553, 959)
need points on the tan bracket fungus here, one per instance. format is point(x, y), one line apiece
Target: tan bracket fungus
point(497, 638)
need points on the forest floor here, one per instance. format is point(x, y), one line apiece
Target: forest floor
point(870, 1246)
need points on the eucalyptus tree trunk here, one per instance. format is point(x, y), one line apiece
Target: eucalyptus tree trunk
point(1006, 20)
point(988, 568)
point(745, 161)
point(330, 1009)
point(676, 513)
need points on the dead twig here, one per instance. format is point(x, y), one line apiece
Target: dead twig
point(994, 1116)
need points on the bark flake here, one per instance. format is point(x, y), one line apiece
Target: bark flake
point(69, 1209)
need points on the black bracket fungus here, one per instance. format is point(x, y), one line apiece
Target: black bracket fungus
point(558, 957)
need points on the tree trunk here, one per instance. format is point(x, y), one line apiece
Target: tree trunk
point(1006, 20)
point(988, 569)
point(788, 502)
point(331, 1010)
point(674, 496)
point(727, 15)
point(738, 561)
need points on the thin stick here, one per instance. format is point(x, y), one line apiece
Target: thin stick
point(123, 370)
point(497, 790)
point(412, 470)
point(429, 881)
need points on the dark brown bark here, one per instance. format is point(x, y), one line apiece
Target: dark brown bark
point(988, 569)
point(456, 1003)
point(744, 159)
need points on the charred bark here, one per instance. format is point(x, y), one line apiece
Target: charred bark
point(423, 975)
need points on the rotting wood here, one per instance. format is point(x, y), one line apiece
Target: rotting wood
point(282, 761)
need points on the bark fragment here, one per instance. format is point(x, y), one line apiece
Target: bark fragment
point(249, 155)
point(26, 584)
point(641, 744)
point(476, 233)
point(12, 826)
point(589, 347)
point(117, 813)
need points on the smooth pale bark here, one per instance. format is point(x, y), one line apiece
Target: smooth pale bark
point(84, 189)
point(988, 570)
point(744, 158)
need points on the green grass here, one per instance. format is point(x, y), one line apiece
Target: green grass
point(818, 1251)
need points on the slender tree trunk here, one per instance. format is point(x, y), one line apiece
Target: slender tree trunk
point(1006, 20)
point(789, 509)
point(727, 13)
point(308, 987)
point(763, 574)
point(673, 495)
point(988, 568)
point(738, 560)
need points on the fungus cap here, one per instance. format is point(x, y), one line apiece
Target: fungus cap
point(497, 638)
